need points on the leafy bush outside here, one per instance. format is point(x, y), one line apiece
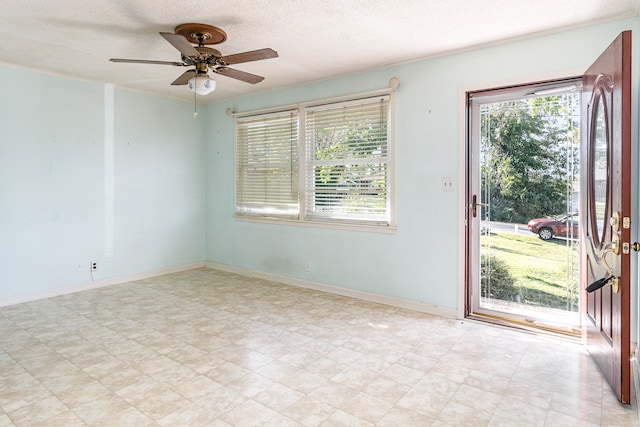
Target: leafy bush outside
point(496, 280)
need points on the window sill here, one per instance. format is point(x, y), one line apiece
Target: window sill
point(390, 229)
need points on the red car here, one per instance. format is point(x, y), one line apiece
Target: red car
point(548, 228)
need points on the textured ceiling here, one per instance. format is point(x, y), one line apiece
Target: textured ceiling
point(316, 39)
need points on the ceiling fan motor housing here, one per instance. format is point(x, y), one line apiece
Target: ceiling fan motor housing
point(207, 55)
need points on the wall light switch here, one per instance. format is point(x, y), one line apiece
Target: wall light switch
point(448, 184)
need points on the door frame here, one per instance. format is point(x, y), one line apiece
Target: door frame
point(462, 165)
point(471, 299)
point(463, 195)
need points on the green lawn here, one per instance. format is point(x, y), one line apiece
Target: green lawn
point(542, 272)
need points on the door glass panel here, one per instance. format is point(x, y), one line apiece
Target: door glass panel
point(600, 161)
point(529, 181)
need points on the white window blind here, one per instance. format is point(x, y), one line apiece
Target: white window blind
point(267, 165)
point(347, 161)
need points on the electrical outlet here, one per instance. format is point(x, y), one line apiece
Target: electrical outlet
point(307, 266)
point(94, 265)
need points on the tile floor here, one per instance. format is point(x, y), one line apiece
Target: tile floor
point(208, 348)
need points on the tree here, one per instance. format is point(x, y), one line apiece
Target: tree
point(350, 161)
point(528, 152)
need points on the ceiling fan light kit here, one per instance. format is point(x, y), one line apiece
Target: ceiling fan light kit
point(204, 58)
point(202, 84)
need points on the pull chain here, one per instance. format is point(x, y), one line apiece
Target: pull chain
point(195, 106)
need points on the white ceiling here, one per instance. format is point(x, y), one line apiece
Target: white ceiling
point(316, 40)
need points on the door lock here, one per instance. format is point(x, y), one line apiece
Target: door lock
point(614, 221)
point(626, 247)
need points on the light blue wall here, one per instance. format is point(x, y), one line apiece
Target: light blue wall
point(420, 262)
point(54, 216)
point(160, 183)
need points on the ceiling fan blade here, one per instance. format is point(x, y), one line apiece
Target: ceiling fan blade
point(239, 75)
point(144, 61)
point(184, 78)
point(181, 43)
point(254, 55)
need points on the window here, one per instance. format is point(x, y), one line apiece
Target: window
point(346, 172)
point(267, 165)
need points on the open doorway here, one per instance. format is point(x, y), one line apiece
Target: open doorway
point(523, 160)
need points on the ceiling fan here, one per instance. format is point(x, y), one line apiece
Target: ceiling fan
point(204, 58)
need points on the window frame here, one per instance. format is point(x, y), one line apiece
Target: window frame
point(302, 219)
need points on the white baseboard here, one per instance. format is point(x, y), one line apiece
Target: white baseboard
point(317, 286)
point(366, 296)
point(18, 299)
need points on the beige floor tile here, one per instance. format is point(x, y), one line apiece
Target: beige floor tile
point(437, 384)
point(280, 420)
point(578, 408)
point(450, 371)
point(309, 412)
point(486, 381)
point(82, 393)
point(221, 400)
point(196, 387)
point(386, 389)
point(251, 384)
point(333, 393)
point(343, 419)
point(417, 361)
point(227, 373)
point(403, 374)
point(39, 411)
point(399, 416)
point(64, 419)
point(457, 415)
point(22, 381)
point(520, 413)
point(160, 405)
point(278, 397)
point(325, 367)
point(248, 414)
point(556, 419)
point(141, 390)
point(126, 418)
point(477, 398)
point(355, 377)
point(529, 394)
point(423, 402)
point(367, 407)
point(102, 410)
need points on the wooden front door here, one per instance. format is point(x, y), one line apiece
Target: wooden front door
point(606, 212)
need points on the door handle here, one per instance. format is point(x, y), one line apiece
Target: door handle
point(611, 279)
point(475, 204)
